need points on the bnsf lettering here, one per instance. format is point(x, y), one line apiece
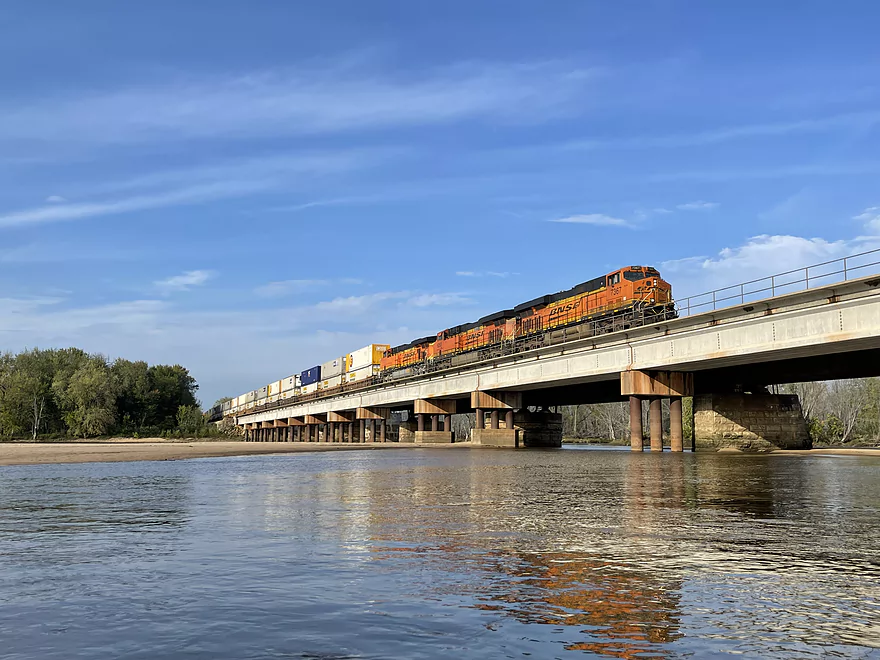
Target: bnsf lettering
point(562, 310)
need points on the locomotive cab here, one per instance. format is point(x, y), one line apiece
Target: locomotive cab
point(641, 284)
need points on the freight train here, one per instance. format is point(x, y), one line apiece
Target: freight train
point(626, 298)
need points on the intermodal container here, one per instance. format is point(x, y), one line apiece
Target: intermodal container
point(333, 381)
point(250, 397)
point(310, 376)
point(333, 368)
point(290, 383)
point(263, 392)
point(309, 388)
point(362, 374)
point(274, 387)
point(365, 357)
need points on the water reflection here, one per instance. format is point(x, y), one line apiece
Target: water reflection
point(444, 554)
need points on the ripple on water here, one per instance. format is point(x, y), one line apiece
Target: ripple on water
point(442, 554)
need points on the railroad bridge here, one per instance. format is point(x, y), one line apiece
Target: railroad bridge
point(725, 349)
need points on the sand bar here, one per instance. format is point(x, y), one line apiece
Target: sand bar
point(26, 453)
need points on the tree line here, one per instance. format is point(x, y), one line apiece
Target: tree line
point(837, 412)
point(70, 393)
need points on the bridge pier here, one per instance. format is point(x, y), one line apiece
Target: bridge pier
point(655, 386)
point(433, 409)
point(750, 422)
point(495, 403)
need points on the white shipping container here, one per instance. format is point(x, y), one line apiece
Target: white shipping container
point(290, 383)
point(332, 368)
point(362, 374)
point(309, 389)
point(366, 356)
point(275, 387)
point(328, 383)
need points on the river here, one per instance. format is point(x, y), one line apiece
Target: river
point(443, 554)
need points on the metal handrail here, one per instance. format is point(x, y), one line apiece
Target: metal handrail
point(736, 294)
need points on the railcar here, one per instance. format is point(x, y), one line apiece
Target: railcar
point(628, 297)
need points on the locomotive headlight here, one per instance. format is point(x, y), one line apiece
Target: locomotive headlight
point(655, 282)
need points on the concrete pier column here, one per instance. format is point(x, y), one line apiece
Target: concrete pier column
point(329, 430)
point(372, 430)
point(493, 419)
point(420, 420)
point(508, 419)
point(636, 433)
point(382, 425)
point(350, 432)
point(481, 419)
point(656, 421)
point(447, 423)
point(676, 428)
point(434, 422)
point(362, 432)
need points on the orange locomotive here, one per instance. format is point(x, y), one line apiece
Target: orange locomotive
point(628, 297)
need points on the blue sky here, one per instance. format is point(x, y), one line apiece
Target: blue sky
point(255, 188)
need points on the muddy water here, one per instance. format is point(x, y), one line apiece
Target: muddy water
point(443, 554)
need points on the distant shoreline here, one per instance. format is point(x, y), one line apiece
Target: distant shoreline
point(150, 449)
point(122, 450)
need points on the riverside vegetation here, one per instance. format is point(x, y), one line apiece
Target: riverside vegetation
point(838, 413)
point(68, 393)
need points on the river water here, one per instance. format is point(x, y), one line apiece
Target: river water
point(444, 553)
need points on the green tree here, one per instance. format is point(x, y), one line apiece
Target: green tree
point(134, 400)
point(171, 386)
point(89, 399)
point(190, 420)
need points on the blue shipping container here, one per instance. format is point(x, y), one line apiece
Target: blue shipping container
point(310, 376)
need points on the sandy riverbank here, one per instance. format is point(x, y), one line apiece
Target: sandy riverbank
point(22, 453)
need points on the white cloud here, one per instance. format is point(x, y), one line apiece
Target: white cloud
point(441, 299)
point(185, 281)
point(763, 256)
point(598, 219)
point(698, 206)
point(301, 102)
point(55, 199)
point(871, 219)
point(288, 288)
point(466, 273)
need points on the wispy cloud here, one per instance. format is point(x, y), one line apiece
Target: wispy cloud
point(196, 186)
point(284, 102)
point(856, 120)
point(598, 219)
point(697, 206)
point(288, 288)
point(487, 273)
point(184, 281)
point(55, 199)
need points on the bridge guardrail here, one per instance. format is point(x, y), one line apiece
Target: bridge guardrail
point(791, 281)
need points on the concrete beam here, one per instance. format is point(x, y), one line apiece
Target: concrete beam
point(656, 383)
point(281, 421)
point(434, 406)
point(496, 400)
point(373, 413)
point(313, 419)
point(268, 425)
point(341, 417)
point(295, 421)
